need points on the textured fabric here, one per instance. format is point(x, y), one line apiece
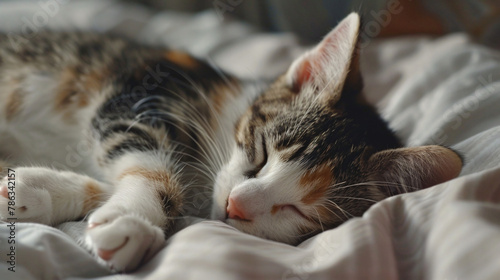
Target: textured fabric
point(443, 91)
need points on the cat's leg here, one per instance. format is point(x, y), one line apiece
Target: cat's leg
point(47, 196)
point(130, 227)
point(125, 231)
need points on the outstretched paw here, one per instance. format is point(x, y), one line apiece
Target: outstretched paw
point(23, 199)
point(123, 242)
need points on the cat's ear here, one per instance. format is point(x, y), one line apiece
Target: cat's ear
point(410, 169)
point(324, 69)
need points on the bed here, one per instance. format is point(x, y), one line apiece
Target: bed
point(431, 90)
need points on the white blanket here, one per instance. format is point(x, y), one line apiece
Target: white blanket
point(432, 91)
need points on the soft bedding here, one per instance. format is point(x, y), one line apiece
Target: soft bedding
point(432, 91)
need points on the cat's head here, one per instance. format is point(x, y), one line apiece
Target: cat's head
point(311, 154)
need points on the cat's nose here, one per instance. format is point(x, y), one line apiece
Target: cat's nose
point(234, 210)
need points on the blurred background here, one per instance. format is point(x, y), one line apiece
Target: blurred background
point(254, 38)
point(311, 19)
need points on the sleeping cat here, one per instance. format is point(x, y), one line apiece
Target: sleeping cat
point(122, 135)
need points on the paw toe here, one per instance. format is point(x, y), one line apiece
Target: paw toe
point(108, 254)
point(4, 191)
point(125, 242)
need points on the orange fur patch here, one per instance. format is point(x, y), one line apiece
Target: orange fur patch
point(275, 209)
point(67, 91)
point(166, 188)
point(157, 176)
point(319, 180)
point(13, 104)
point(182, 59)
point(93, 81)
point(218, 98)
point(77, 89)
point(92, 196)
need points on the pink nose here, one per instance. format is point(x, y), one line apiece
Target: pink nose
point(234, 211)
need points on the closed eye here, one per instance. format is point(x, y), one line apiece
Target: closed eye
point(254, 172)
point(293, 208)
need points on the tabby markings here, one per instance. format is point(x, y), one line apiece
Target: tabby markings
point(243, 135)
point(319, 180)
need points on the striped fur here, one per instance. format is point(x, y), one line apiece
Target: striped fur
point(133, 137)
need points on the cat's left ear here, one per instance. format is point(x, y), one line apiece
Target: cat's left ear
point(324, 70)
point(414, 168)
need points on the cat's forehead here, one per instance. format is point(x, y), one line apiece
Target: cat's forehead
point(280, 110)
point(302, 121)
point(280, 114)
point(296, 125)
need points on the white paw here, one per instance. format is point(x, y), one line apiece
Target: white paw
point(22, 198)
point(122, 241)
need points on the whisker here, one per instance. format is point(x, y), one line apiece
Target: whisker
point(319, 220)
point(355, 198)
point(333, 188)
point(340, 208)
point(203, 95)
point(331, 211)
point(204, 153)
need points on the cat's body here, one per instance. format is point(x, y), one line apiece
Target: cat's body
point(143, 131)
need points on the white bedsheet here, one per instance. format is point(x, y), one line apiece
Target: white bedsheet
point(444, 91)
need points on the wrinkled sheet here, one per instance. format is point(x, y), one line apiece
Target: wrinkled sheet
point(432, 91)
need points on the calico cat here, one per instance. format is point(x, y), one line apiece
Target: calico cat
point(122, 135)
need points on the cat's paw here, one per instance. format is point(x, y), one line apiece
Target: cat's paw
point(23, 199)
point(123, 242)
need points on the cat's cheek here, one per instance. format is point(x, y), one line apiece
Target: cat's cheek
point(229, 176)
point(269, 227)
point(218, 212)
point(224, 183)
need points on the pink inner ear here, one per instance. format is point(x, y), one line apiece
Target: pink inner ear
point(328, 45)
point(328, 60)
point(303, 75)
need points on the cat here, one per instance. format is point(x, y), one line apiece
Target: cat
point(94, 126)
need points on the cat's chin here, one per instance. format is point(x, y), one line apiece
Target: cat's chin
point(218, 214)
point(266, 230)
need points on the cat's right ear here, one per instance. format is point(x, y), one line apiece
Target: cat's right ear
point(323, 71)
point(414, 168)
